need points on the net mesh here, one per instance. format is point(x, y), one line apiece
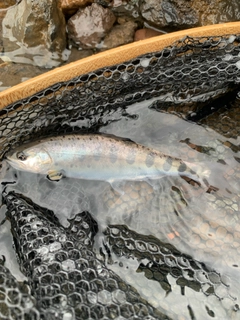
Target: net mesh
point(191, 70)
point(66, 278)
point(188, 79)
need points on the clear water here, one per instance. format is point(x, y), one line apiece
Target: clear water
point(203, 225)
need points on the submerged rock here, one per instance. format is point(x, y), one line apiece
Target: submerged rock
point(38, 28)
point(88, 26)
point(189, 13)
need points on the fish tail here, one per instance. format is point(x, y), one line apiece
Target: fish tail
point(214, 176)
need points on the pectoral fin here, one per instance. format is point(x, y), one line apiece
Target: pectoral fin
point(54, 175)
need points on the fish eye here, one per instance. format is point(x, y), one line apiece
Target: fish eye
point(21, 156)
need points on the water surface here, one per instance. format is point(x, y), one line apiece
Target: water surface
point(200, 222)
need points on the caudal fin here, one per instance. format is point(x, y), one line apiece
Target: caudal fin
point(217, 176)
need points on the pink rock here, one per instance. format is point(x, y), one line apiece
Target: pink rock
point(89, 25)
point(146, 33)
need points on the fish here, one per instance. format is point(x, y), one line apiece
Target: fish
point(96, 157)
point(67, 280)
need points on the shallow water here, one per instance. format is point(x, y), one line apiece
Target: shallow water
point(200, 224)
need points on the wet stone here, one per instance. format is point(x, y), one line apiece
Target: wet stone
point(185, 14)
point(89, 25)
point(37, 29)
point(168, 13)
point(13, 73)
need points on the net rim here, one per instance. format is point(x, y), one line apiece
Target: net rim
point(108, 58)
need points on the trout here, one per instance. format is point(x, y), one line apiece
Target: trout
point(96, 157)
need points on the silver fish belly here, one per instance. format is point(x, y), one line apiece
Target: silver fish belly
point(96, 157)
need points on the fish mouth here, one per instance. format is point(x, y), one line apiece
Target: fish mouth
point(14, 163)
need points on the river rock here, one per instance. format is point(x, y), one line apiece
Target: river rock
point(217, 11)
point(188, 13)
point(69, 6)
point(89, 25)
point(164, 13)
point(7, 4)
point(120, 34)
point(12, 74)
point(38, 28)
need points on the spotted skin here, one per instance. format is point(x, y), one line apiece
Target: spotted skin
point(96, 157)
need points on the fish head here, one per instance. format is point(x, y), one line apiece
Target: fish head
point(33, 159)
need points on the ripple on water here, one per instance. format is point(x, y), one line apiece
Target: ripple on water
point(202, 225)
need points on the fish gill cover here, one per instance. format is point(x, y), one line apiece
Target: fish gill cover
point(67, 279)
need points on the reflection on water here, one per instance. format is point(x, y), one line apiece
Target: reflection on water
point(199, 221)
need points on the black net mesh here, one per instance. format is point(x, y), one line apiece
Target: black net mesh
point(66, 278)
point(15, 300)
point(162, 259)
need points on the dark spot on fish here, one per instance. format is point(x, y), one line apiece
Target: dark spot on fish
point(167, 164)
point(113, 158)
point(130, 159)
point(149, 160)
point(182, 167)
point(81, 157)
point(96, 157)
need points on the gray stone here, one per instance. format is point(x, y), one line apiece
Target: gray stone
point(39, 30)
point(164, 13)
point(89, 25)
point(188, 13)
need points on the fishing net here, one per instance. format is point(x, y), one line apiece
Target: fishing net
point(191, 70)
point(197, 79)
